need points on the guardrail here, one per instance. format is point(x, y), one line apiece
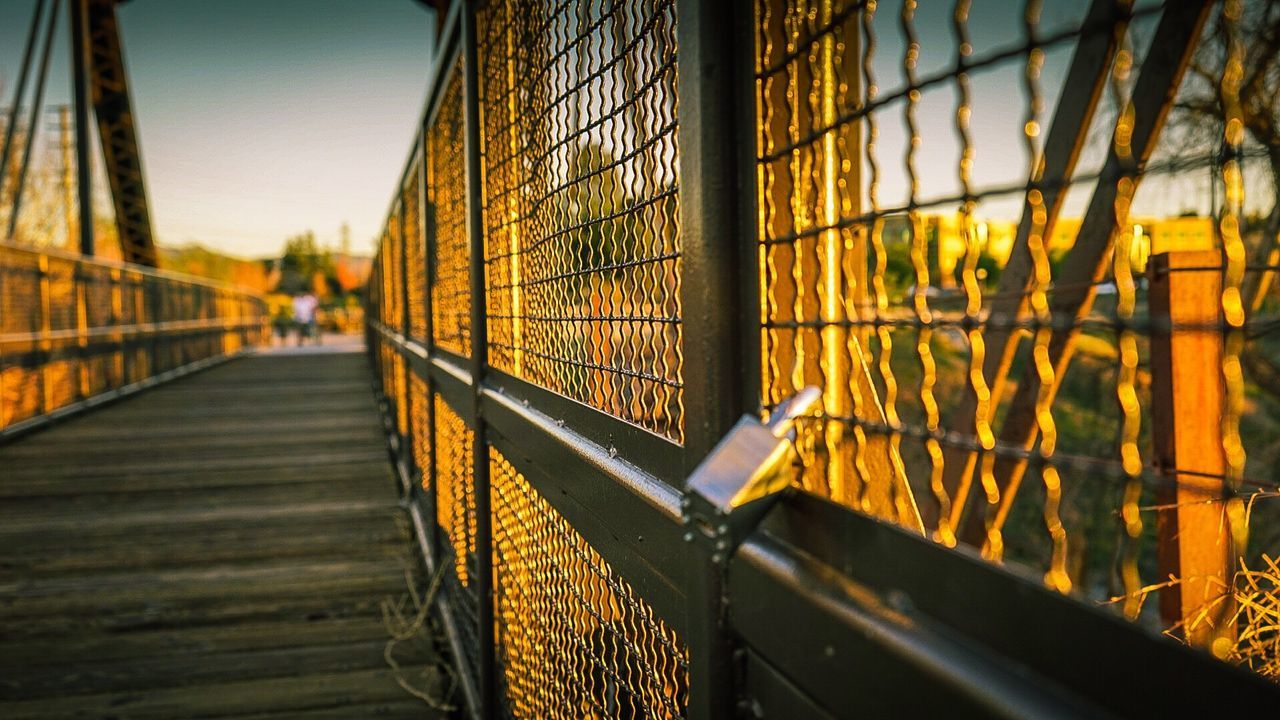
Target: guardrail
point(593, 275)
point(76, 332)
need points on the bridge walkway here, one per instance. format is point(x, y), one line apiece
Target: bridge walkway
point(216, 547)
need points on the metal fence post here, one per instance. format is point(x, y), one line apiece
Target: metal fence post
point(44, 324)
point(428, 343)
point(406, 442)
point(155, 305)
point(479, 349)
point(117, 312)
point(714, 67)
point(82, 326)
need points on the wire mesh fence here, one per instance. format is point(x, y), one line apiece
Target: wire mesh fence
point(582, 236)
point(1012, 366)
point(72, 328)
point(456, 518)
point(574, 639)
point(974, 228)
point(446, 217)
point(414, 261)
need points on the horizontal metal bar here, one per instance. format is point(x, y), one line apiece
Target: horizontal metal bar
point(168, 327)
point(453, 384)
point(29, 425)
point(656, 455)
point(898, 606)
point(629, 515)
point(769, 694)
point(631, 518)
point(166, 275)
point(847, 626)
point(32, 358)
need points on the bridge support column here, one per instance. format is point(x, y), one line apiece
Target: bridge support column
point(80, 101)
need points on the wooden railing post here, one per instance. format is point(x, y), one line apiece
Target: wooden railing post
point(80, 293)
point(120, 375)
point(1187, 403)
point(45, 345)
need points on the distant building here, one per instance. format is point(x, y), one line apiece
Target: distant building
point(352, 271)
point(1182, 233)
point(945, 242)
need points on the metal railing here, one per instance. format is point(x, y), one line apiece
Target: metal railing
point(76, 332)
point(627, 229)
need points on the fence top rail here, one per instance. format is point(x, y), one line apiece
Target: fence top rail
point(168, 275)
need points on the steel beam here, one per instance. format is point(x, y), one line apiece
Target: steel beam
point(108, 81)
point(80, 101)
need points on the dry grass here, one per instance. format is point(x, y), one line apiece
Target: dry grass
point(1257, 617)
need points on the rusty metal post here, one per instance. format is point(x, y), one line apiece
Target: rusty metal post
point(1187, 400)
point(45, 344)
point(80, 294)
point(490, 704)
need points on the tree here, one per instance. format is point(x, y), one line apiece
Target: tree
point(1198, 116)
point(306, 266)
point(1199, 113)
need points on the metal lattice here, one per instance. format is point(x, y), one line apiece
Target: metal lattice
point(72, 328)
point(944, 362)
point(456, 507)
point(400, 389)
point(447, 222)
point(387, 367)
point(393, 297)
point(582, 239)
point(415, 260)
point(420, 424)
point(815, 276)
point(574, 639)
point(456, 517)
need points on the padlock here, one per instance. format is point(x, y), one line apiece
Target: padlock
point(730, 491)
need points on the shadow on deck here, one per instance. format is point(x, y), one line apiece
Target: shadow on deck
point(218, 546)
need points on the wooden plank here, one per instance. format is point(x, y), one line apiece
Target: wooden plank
point(370, 542)
point(281, 450)
point(192, 409)
point(158, 502)
point(325, 691)
point(207, 444)
point(224, 612)
point(72, 432)
point(406, 710)
point(241, 637)
point(218, 546)
point(145, 466)
point(149, 672)
point(371, 470)
point(182, 518)
point(1186, 402)
point(145, 590)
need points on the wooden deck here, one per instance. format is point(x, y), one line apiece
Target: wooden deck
point(215, 547)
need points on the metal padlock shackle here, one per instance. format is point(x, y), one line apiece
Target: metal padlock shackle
point(734, 486)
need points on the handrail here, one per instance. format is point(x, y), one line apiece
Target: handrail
point(10, 246)
point(76, 332)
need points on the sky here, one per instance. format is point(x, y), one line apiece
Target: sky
point(261, 119)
